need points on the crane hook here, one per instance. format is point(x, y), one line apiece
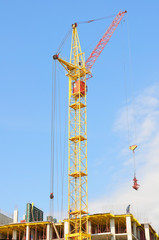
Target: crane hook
point(135, 184)
point(51, 196)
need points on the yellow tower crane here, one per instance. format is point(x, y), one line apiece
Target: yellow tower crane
point(78, 71)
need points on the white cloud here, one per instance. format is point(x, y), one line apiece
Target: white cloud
point(145, 201)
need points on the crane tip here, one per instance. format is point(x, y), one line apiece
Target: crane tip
point(74, 25)
point(55, 57)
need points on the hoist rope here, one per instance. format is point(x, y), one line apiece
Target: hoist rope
point(63, 41)
point(60, 129)
point(53, 105)
point(132, 79)
point(58, 147)
point(133, 97)
point(57, 159)
point(126, 96)
point(125, 85)
point(59, 150)
point(64, 157)
point(134, 163)
point(96, 19)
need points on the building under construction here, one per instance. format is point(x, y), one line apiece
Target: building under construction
point(100, 226)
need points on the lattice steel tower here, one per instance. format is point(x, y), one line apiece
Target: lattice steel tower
point(77, 152)
point(78, 71)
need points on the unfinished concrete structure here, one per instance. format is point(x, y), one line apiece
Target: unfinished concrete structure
point(101, 226)
point(4, 219)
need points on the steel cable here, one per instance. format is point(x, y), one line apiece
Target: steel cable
point(63, 41)
point(96, 19)
point(52, 136)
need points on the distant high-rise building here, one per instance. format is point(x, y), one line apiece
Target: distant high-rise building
point(33, 213)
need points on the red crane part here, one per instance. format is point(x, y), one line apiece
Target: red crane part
point(104, 40)
point(79, 86)
point(136, 185)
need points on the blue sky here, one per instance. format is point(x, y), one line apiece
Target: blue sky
point(31, 31)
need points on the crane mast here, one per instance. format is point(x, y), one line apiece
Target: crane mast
point(78, 71)
point(77, 192)
point(77, 135)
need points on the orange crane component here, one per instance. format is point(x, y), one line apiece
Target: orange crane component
point(104, 40)
point(136, 185)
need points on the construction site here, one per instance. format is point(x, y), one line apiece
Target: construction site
point(100, 226)
point(79, 224)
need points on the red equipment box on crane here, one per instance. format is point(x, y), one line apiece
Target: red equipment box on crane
point(79, 87)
